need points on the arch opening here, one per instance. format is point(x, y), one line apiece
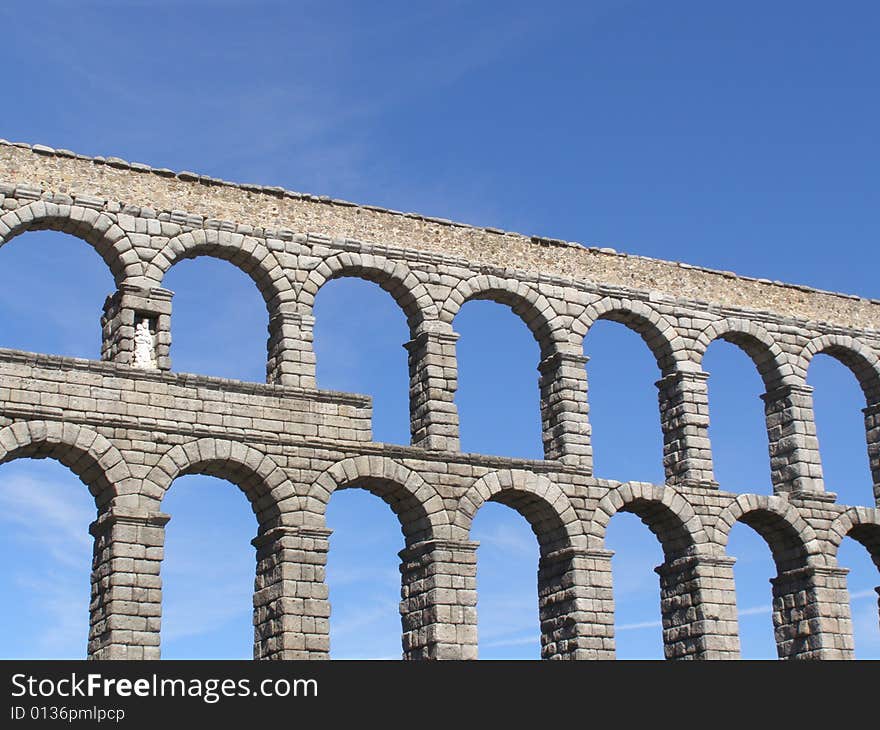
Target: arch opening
point(498, 397)
point(529, 306)
point(414, 520)
point(859, 553)
point(223, 336)
point(52, 287)
point(508, 617)
point(785, 541)
point(257, 475)
point(246, 254)
point(838, 399)
point(45, 572)
point(96, 229)
point(638, 624)
point(791, 545)
point(753, 571)
point(669, 527)
point(656, 332)
point(90, 456)
point(363, 576)
point(394, 279)
point(359, 333)
point(681, 537)
point(517, 623)
point(857, 358)
point(737, 424)
point(626, 433)
point(759, 345)
point(404, 494)
point(208, 568)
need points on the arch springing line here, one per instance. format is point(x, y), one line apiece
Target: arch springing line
point(542, 503)
point(857, 356)
point(393, 276)
point(246, 253)
point(265, 484)
point(418, 506)
point(97, 229)
point(659, 333)
point(770, 359)
point(535, 310)
point(666, 513)
point(88, 454)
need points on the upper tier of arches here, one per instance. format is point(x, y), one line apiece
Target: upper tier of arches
point(559, 320)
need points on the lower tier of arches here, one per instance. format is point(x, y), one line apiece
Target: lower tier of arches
point(435, 498)
point(811, 608)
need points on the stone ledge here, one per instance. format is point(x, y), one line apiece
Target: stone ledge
point(188, 380)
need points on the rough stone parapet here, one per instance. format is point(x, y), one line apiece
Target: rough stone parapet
point(93, 180)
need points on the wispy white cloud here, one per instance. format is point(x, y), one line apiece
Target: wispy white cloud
point(370, 612)
point(860, 595)
point(866, 631)
point(513, 641)
point(60, 618)
point(45, 517)
point(765, 609)
point(639, 625)
point(60, 518)
point(350, 575)
point(509, 539)
point(213, 607)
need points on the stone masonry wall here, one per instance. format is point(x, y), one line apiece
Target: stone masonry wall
point(128, 426)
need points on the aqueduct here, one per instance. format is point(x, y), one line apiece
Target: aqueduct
point(127, 426)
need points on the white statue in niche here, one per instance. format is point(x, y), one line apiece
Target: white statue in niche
point(144, 348)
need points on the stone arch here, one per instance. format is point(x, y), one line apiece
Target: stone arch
point(658, 332)
point(418, 506)
point(528, 304)
point(97, 462)
point(97, 229)
point(769, 358)
point(791, 539)
point(246, 253)
point(665, 512)
point(394, 277)
point(542, 503)
point(860, 523)
point(858, 357)
point(263, 482)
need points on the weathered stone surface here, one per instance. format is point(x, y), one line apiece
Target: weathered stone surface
point(128, 432)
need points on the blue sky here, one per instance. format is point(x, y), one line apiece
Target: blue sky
point(736, 136)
